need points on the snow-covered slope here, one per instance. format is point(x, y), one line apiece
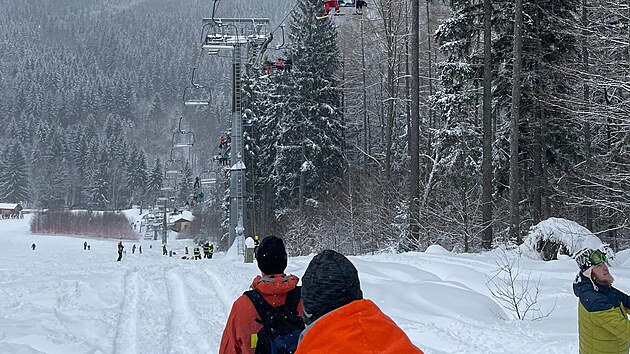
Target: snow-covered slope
point(62, 299)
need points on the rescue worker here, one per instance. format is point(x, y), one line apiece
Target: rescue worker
point(602, 309)
point(210, 250)
point(197, 252)
point(120, 251)
point(256, 243)
point(206, 250)
point(272, 284)
point(338, 319)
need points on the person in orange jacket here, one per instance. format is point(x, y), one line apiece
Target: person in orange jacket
point(239, 335)
point(338, 319)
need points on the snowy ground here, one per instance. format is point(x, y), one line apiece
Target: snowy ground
point(62, 299)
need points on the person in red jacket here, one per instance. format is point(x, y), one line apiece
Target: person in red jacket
point(338, 319)
point(239, 335)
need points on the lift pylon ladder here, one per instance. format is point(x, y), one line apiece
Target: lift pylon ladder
point(238, 35)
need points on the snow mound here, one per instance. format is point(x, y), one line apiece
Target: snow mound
point(550, 237)
point(437, 249)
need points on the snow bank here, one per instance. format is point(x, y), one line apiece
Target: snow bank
point(570, 234)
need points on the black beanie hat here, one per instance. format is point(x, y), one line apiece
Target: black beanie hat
point(330, 282)
point(271, 256)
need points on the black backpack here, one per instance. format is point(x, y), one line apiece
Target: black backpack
point(282, 325)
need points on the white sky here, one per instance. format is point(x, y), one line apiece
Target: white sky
point(60, 299)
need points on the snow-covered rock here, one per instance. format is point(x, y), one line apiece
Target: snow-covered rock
point(555, 236)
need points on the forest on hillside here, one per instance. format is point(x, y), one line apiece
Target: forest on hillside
point(91, 95)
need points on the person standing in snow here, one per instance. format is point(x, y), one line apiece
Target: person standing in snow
point(120, 251)
point(140, 249)
point(164, 251)
point(133, 249)
point(603, 324)
point(338, 319)
point(33, 246)
point(241, 331)
point(85, 245)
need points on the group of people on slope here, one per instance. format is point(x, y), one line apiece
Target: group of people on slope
point(121, 249)
point(327, 314)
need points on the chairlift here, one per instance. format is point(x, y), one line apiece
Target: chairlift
point(196, 94)
point(223, 33)
point(208, 178)
point(171, 168)
point(180, 139)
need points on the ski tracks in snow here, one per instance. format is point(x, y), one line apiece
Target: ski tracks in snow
point(186, 334)
point(127, 329)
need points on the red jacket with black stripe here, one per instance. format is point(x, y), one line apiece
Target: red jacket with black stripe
point(241, 324)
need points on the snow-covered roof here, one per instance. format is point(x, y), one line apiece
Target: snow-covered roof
point(185, 215)
point(8, 205)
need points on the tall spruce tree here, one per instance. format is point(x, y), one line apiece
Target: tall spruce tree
point(155, 181)
point(308, 143)
point(13, 175)
point(185, 184)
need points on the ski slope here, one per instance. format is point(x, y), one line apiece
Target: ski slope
point(61, 299)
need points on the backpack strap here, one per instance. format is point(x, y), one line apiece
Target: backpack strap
point(264, 308)
point(293, 299)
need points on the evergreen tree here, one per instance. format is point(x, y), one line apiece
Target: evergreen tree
point(308, 145)
point(136, 178)
point(155, 180)
point(185, 184)
point(97, 191)
point(13, 175)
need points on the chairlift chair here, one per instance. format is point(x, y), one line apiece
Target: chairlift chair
point(171, 168)
point(208, 178)
point(196, 94)
point(180, 140)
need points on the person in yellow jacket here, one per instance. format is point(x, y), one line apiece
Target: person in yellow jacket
point(603, 324)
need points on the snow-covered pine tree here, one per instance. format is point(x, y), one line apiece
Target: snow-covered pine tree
point(155, 181)
point(13, 174)
point(136, 175)
point(308, 144)
point(49, 167)
point(185, 184)
point(97, 191)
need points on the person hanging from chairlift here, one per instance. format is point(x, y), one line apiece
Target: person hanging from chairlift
point(267, 65)
point(328, 4)
point(279, 64)
point(360, 4)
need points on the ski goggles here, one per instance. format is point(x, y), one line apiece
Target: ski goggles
point(597, 257)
